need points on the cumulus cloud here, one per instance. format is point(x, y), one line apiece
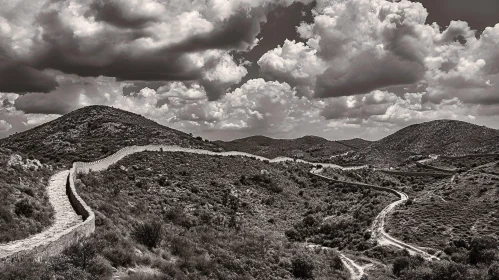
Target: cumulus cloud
point(4, 126)
point(129, 40)
point(356, 47)
point(294, 63)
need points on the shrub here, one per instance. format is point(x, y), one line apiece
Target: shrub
point(119, 257)
point(24, 208)
point(481, 250)
point(302, 267)
point(493, 272)
point(148, 233)
point(82, 253)
point(400, 264)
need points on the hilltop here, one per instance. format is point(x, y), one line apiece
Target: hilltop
point(356, 143)
point(443, 137)
point(311, 148)
point(94, 132)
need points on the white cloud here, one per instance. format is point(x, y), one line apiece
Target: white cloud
point(4, 126)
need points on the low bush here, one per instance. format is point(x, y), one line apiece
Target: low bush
point(148, 233)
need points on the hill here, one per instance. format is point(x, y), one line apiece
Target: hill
point(311, 148)
point(94, 132)
point(25, 207)
point(356, 143)
point(443, 137)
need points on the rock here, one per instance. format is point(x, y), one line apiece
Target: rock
point(123, 168)
point(131, 271)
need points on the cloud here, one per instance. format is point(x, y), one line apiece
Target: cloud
point(4, 126)
point(15, 77)
point(129, 14)
point(359, 107)
point(294, 63)
point(129, 40)
point(356, 47)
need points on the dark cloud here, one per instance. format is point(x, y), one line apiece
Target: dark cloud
point(280, 25)
point(6, 103)
point(101, 57)
point(478, 13)
point(368, 72)
point(238, 32)
point(18, 78)
point(35, 103)
point(114, 13)
point(98, 56)
point(360, 113)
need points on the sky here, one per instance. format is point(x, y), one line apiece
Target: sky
point(226, 69)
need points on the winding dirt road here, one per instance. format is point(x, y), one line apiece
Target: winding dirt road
point(378, 226)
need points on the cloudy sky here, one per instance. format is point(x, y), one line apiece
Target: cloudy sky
point(226, 69)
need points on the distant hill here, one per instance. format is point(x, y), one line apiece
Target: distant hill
point(444, 137)
point(310, 148)
point(94, 132)
point(356, 143)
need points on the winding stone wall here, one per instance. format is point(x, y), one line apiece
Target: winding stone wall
point(435, 168)
point(417, 174)
point(358, 184)
point(68, 236)
point(469, 156)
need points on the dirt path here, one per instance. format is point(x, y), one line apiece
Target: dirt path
point(64, 218)
point(383, 238)
point(356, 271)
point(378, 225)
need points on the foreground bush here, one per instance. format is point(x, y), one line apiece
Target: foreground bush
point(302, 267)
point(148, 233)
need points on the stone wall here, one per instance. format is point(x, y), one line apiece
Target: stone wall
point(56, 244)
point(358, 184)
point(65, 238)
point(469, 156)
point(434, 168)
point(417, 174)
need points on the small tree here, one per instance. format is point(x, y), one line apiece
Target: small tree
point(302, 267)
point(400, 264)
point(81, 253)
point(148, 233)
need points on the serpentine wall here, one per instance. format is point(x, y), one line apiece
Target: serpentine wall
point(61, 235)
point(469, 156)
point(435, 168)
point(417, 174)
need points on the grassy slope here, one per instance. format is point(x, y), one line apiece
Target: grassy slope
point(187, 192)
point(445, 137)
point(444, 211)
point(25, 208)
point(93, 132)
point(310, 148)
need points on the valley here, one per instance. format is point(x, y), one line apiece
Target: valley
point(197, 211)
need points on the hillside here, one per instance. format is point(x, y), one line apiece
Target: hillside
point(444, 137)
point(311, 148)
point(94, 132)
point(25, 207)
point(356, 143)
point(241, 205)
